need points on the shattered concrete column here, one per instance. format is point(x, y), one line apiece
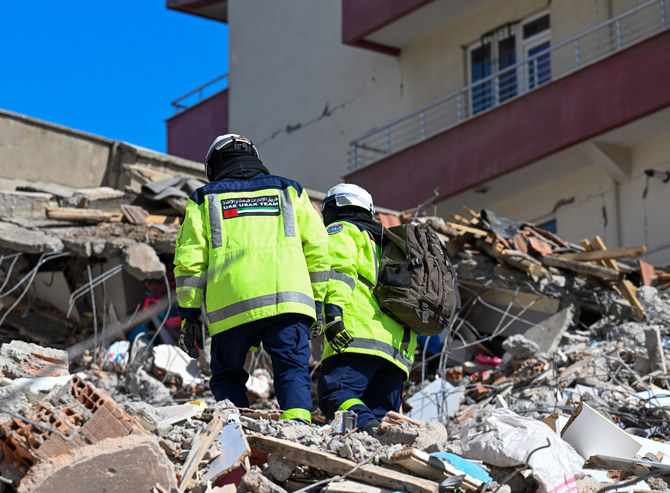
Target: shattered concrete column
point(655, 349)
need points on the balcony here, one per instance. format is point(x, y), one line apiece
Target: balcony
point(200, 115)
point(386, 26)
point(605, 77)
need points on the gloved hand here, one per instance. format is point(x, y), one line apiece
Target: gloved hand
point(337, 335)
point(317, 327)
point(190, 337)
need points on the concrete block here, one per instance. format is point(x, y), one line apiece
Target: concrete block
point(142, 262)
point(254, 481)
point(25, 359)
point(20, 239)
point(25, 205)
point(547, 333)
point(131, 463)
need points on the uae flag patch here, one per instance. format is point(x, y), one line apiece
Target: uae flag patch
point(250, 206)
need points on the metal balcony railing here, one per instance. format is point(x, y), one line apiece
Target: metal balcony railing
point(203, 92)
point(557, 61)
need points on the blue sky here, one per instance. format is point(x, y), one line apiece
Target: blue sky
point(107, 68)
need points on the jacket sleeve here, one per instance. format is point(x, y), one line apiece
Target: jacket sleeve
point(191, 260)
point(343, 251)
point(314, 245)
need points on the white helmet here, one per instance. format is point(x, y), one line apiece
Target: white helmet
point(349, 194)
point(228, 142)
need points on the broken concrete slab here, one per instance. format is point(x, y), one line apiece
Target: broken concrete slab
point(25, 359)
point(519, 347)
point(16, 206)
point(655, 350)
point(547, 333)
point(131, 463)
point(19, 239)
point(280, 469)
point(142, 262)
point(255, 482)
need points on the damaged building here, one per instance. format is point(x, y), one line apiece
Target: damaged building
point(552, 375)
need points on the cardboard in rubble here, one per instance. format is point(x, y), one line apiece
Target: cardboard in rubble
point(590, 433)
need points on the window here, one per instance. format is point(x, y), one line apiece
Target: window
point(548, 226)
point(498, 51)
point(535, 41)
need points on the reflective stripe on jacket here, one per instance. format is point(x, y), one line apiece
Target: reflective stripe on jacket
point(256, 248)
point(354, 259)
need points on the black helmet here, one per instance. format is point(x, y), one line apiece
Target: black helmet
point(225, 147)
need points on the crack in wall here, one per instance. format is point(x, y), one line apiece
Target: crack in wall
point(293, 127)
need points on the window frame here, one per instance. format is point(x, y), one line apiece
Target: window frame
point(522, 47)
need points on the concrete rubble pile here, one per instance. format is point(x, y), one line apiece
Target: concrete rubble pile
point(552, 375)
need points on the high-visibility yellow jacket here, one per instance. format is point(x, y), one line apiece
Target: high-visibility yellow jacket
point(354, 259)
point(256, 248)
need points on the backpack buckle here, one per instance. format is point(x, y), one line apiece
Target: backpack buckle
point(415, 262)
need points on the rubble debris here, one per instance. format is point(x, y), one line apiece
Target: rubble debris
point(586, 423)
point(81, 436)
point(565, 325)
point(172, 365)
point(370, 474)
point(142, 262)
point(508, 440)
point(22, 359)
point(235, 451)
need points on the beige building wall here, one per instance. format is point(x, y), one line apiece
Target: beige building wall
point(35, 150)
point(302, 96)
point(299, 93)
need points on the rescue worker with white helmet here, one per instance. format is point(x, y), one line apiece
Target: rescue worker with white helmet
point(368, 354)
point(253, 244)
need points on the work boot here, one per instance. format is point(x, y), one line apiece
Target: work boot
point(372, 427)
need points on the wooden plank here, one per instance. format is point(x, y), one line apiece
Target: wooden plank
point(83, 215)
point(604, 254)
point(585, 268)
point(475, 215)
point(515, 258)
point(323, 461)
point(467, 229)
point(461, 219)
point(625, 286)
point(199, 448)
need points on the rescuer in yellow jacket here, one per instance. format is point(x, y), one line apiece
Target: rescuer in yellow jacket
point(369, 354)
point(254, 246)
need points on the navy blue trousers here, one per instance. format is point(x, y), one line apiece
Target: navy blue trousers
point(345, 378)
point(286, 340)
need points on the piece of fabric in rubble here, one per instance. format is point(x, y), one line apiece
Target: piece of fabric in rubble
point(503, 226)
point(506, 439)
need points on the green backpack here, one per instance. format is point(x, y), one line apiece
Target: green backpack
point(416, 283)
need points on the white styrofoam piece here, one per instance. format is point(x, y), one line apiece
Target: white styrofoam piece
point(591, 433)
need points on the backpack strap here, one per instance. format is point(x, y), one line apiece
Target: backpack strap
point(366, 282)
